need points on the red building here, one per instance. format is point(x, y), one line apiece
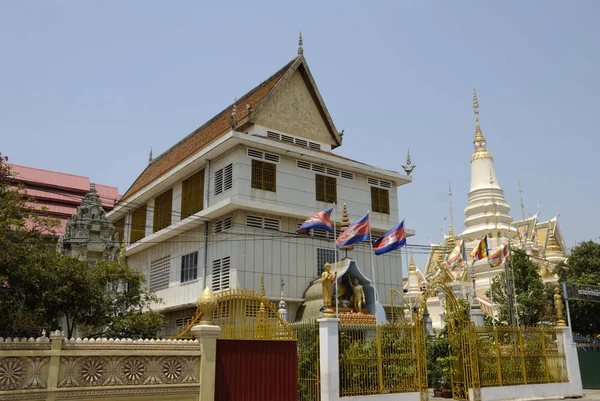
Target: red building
point(58, 194)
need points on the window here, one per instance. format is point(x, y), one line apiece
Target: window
point(263, 222)
point(258, 154)
point(138, 224)
point(159, 273)
point(120, 229)
point(220, 274)
point(192, 194)
point(380, 200)
point(222, 225)
point(183, 322)
point(324, 255)
point(263, 175)
point(224, 179)
point(326, 188)
point(163, 210)
point(189, 267)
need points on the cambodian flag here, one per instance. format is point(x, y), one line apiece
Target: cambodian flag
point(356, 232)
point(320, 220)
point(393, 239)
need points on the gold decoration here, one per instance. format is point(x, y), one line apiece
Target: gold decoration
point(327, 280)
point(358, 295)
point(559, 308)
point(344, 226)
point(552, 243)
point(412, 267)
point(207, 304)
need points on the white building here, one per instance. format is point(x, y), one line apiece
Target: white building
point(220, 208)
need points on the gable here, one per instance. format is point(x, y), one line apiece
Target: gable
point(292, 109)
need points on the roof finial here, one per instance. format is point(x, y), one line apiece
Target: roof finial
point(412, 267)
point(300, 49)
point(522, 204)
point(479, 141)
point(262, 286)
point(451, 231)
point(408, 167)
point(233, 121)
point(150, 156)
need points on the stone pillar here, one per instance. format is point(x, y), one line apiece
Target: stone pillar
point(329, 358)
point(477, 313)
point(572, 362)
point(428, 323)
point(56, 338)
point(206, 335)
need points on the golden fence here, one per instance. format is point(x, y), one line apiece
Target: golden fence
point(307, 340)
point(382, 359)
point(510, 356)
point(244, 315)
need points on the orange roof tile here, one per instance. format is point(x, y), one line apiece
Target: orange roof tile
point(207, 133)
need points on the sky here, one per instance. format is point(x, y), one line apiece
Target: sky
point(88, 87)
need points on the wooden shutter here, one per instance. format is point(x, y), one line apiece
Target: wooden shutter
point(380, 200)
point(192, 194)
point(264, 176)
point(138, 224)
point(326, 188)
point(163, 210)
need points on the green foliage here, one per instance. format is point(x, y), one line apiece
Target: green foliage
point(38, 286)
point(530, 290)
point(583, 267)
point(438, 363)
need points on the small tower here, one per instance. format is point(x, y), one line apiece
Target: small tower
point(282, 306)
point(343, 227)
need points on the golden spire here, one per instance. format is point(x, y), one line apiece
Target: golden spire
point(262, 292)
point(300, 49)
point(552, 242)
point(479, 141)
point(412, 267)
point(343, 227)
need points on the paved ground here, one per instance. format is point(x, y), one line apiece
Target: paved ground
point(592, 395)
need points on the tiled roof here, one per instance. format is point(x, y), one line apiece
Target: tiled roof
point(207, 133)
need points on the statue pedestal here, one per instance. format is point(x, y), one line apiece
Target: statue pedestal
point(357, 318)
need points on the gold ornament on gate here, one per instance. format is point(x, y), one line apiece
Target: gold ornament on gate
point(327, 280)
point(207, 304)
point(559, 308)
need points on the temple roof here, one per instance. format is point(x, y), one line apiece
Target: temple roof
point(220, 124)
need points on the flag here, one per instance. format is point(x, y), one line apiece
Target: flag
point(457, 254)
point(393, 239)
point(320, 220)
point(356, 232)
point(481, 250)
point(499, 255)
point(523, 231)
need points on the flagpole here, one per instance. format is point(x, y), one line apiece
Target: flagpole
point(337, 286)
point(487, 251)
point(514, 289)
point(372, 260)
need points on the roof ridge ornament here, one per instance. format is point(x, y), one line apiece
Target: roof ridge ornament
point(233, 121)
point(408, 167)
point(300, 49)
point(150, 156)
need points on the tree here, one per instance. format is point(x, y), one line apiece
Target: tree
point(529, 287)
point(583, 267)
point(39, 287)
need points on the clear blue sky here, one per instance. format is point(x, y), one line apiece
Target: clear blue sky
point(87, 88)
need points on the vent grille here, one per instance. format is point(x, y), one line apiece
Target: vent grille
point(324, 170)
point(257, 154)
point(263, 222)
point(379, 183)
point(274, 135)
point(221, 274)
point(288, 139)
point(293, 140)
point(159, 273)
point(222, 225)
point(224, 179)
point(302, 142)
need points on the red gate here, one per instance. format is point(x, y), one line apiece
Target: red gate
point(256, 370)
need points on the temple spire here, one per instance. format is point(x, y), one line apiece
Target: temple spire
point(300, 49)
point(521, 197)
point(412, 267)
point(479, 141)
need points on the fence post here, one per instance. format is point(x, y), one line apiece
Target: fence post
point(56, 341)
point(329, 358)
point(206, 335)
point(572, 360)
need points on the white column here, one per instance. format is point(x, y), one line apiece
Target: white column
point(328, 358)
point(207, 336)
point(572, 361)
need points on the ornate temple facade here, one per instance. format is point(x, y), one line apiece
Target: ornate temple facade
point(88, 233)
point(486, 213)
point(221, 207)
